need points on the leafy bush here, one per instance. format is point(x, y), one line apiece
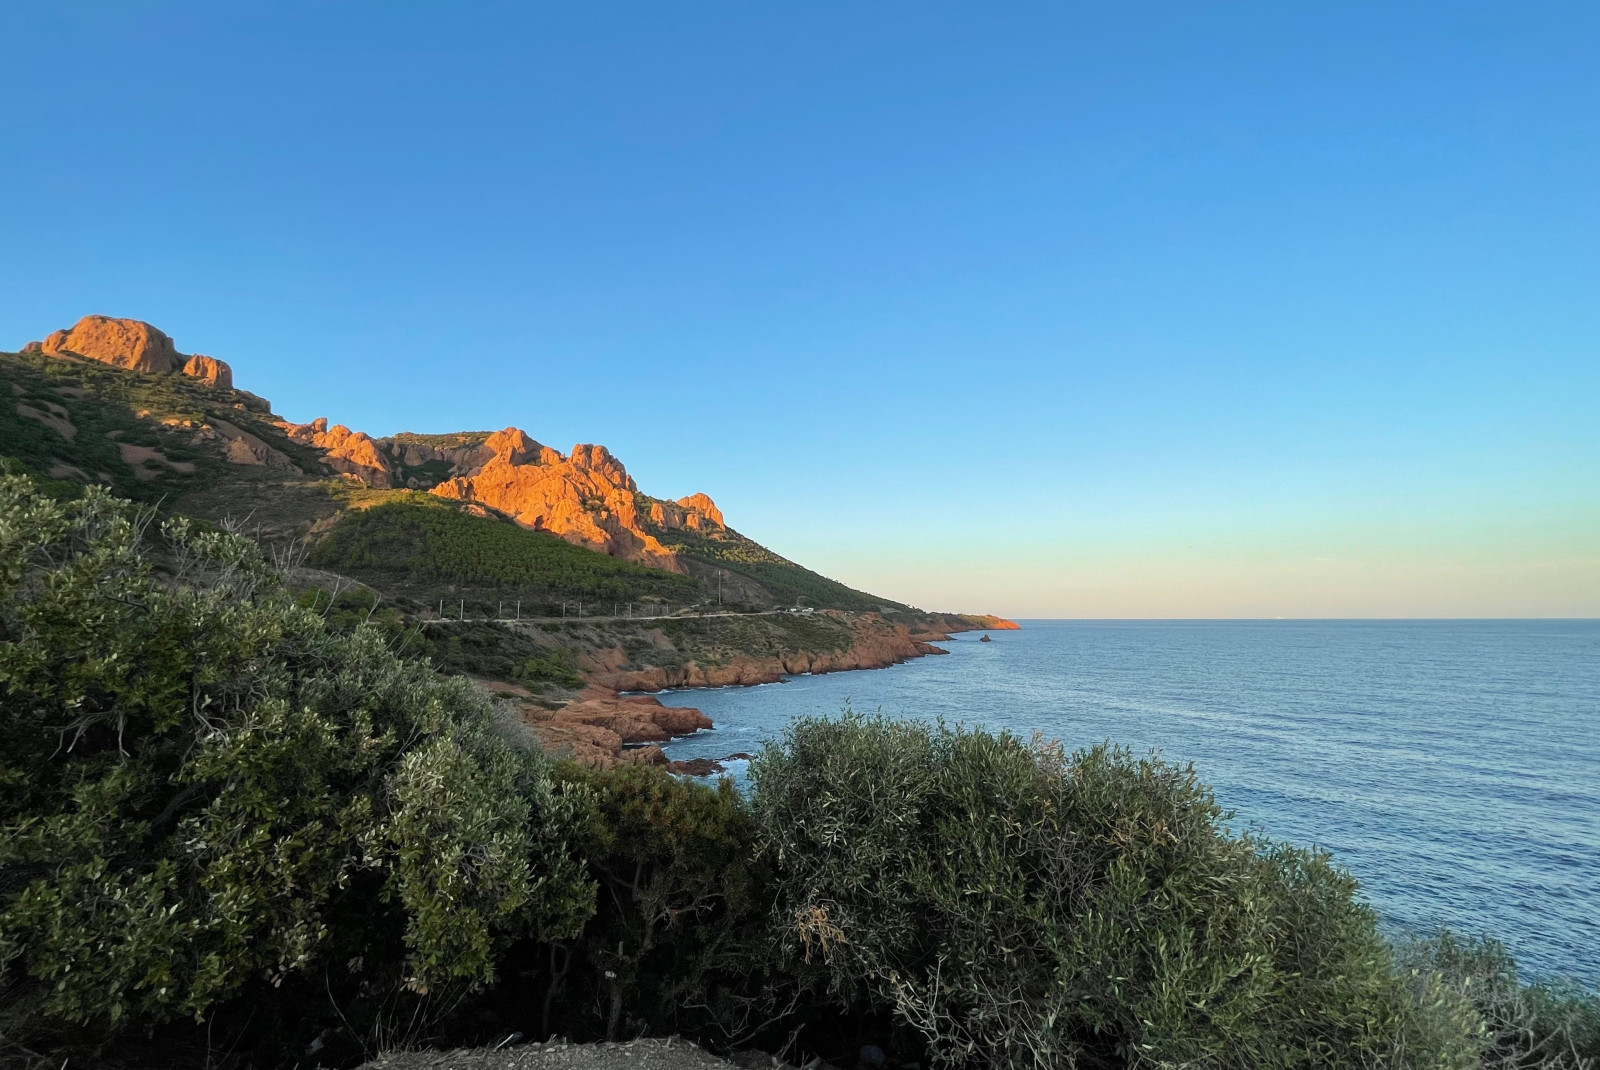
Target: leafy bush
point(204, 790)
point(1542, 1026)
point(1024, 908)
point(556, 666)
point(680, 929)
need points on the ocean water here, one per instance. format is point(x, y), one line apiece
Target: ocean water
point(1452, 766)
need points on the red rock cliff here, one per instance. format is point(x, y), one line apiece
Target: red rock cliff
point(587, 498)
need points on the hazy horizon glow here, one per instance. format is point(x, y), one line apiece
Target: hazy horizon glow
point(1041, 310)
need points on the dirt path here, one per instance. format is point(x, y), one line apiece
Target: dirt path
point(648, 1054)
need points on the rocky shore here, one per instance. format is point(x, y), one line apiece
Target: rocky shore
point(616, 720)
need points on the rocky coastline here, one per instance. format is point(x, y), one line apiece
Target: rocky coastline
point(616, 719)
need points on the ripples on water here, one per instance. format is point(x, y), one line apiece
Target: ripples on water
point(1452, 766)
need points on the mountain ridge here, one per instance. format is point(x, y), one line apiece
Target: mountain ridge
point(585, 496)
point(494, 551)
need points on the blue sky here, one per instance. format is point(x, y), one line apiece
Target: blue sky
point(1051, 310)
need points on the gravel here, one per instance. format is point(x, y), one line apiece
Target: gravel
point(670, 1053)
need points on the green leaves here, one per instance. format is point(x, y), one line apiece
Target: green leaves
point(1020, 907)
point(205, 788)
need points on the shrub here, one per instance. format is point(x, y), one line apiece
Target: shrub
point(204, 788)
point(1550, 1025)
point(556, 666)
point(678, 939)
point(1024, 908)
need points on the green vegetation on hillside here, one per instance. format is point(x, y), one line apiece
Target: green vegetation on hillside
point(788, 583)
point(92, 411)
point(418, 541)
point(90, 415)
point(766, 635)
point(449, 441)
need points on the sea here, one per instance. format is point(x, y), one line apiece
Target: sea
point(1452, 766)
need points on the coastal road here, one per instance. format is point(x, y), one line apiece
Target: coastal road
point(607, 617)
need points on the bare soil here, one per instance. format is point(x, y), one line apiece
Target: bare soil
point(670, 1053)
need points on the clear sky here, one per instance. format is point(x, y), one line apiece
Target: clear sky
point(1141, 309)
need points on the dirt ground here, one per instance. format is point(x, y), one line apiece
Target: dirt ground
point(645, 1054)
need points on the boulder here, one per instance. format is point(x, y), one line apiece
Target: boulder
point(210, 371)
point(702, 505)
point(513, 446)
point(121, 343)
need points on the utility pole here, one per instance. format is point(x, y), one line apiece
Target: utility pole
point(463, 609)
point(519, 609)
point(719, 586)
point(500, 613)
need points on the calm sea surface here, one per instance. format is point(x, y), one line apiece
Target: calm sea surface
point(1452, 766)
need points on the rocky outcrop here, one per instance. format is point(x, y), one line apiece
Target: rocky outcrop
point(350, 453)
point(131, 344)
point(697, 512)
point(147, 462)
point(240, 446)
point(702, 507)
point(941, 625)
point(465, 453)
point(587, 498)
point(602, 729)
point(702, 767)
point(53, 416)
point(210, 371)
point(122, 343)
point(979, 622)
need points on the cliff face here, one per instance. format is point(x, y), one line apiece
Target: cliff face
point(587, 498)
point(350, 453)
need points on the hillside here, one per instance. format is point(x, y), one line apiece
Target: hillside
point(516, 537)
point(113, 401)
